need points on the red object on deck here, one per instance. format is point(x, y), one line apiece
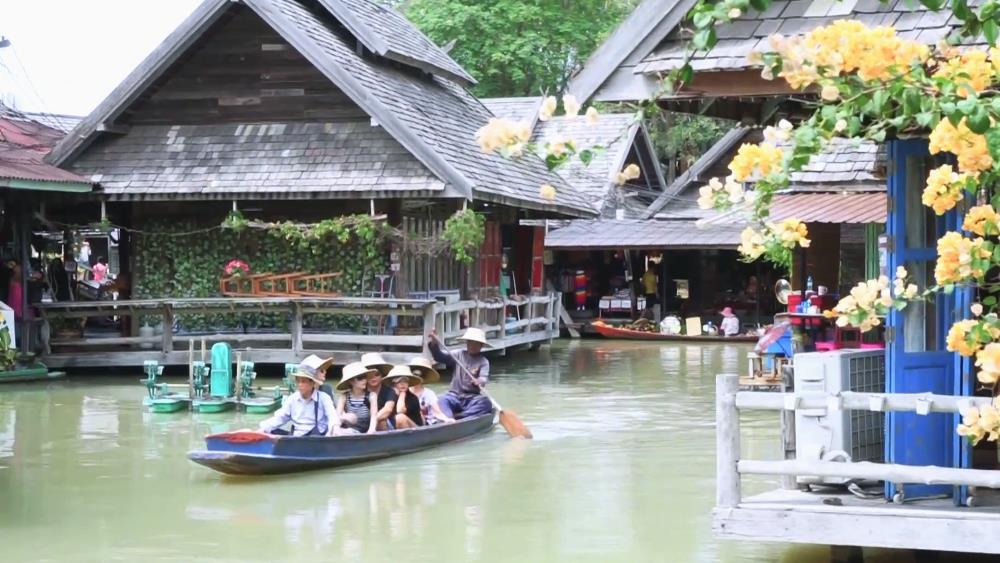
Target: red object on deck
point(242, 436)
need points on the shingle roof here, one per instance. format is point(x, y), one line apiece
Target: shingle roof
point(434, 118)
point(515, 108)
point(287, 159)
point(386, 32)
point(640, 234)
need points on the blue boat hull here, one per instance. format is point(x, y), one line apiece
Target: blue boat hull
point(252, 453)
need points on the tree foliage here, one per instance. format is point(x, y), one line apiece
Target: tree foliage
point(518, 47)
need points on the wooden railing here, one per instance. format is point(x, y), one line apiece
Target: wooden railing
point(538, 322)
point(730, 467)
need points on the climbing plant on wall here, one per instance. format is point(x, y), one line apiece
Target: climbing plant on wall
point(187, 266)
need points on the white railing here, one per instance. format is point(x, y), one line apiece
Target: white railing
point(729, 401)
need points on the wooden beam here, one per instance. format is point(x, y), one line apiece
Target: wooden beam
point(115, 128)
point(727, 441)
point(866, 470)
point(849, 400)
point(734, 84)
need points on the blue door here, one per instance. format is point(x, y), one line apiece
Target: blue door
point(917, 360)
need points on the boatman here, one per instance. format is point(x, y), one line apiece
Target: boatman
point(310, 412)
point(319, 366)
point(470, 372)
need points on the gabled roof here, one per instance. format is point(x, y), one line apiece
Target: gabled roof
point(611, 234)
point(386, 32)
point(843, 166)
point(649, 42)
point(434, 118)
point(24, 142)
point(618, 133)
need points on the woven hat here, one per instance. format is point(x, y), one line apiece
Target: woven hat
point(474, 334)
point(316, 363)
point(423, 367)
point(307, 375)
point(398, 372)
point(375, 360)
point(352, 370)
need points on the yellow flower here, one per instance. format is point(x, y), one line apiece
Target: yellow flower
point(547, 192)
point(957, 340)
point(592, 115)
point(970, 148)
point(504, 135)
point(988, 362)
point(791, 233)
point(751, 244)
point(956, 255)
point(548, 108)
point(970, 71)
point(632, 172)
point(980, 219)
point(571, 106)
point(762, 159)
point(944, 189)
point(755, 58)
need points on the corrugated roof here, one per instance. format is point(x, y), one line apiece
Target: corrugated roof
point(845, 208)
point(640, 234)
point(24, 143)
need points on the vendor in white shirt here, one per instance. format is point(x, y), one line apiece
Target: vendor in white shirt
point(310, 412)
point(730, 323)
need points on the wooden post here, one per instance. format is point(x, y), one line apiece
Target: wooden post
point(296, 329)
point(239, 374)
point(429, 320)
point(202, 349)
point(167, 343)
point(727, 441)
point(788, 482)
point(191, 369)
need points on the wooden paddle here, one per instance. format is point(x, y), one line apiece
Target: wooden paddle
point(508, 419)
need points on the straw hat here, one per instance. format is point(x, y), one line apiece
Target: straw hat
point(403, 371)
point(423, 367)
point(376, 361)
point(314, 362)
point(306, 375)
point(352, 370)
point(473, 334)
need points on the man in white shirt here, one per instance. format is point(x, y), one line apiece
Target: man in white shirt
point(310, 412)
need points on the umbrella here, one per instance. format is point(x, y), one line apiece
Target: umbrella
point(771, 335)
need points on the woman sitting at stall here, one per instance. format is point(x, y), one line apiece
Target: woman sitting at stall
point(354, 406)
point(407, 405)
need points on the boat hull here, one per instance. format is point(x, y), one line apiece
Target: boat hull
point(260, 406)
point(609, 331)
point(213, 405)
point(167, 404)
point(37, 372)
point(254, 453)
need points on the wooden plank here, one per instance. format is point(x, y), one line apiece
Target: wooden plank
point(296, 327)
point(727, 441)
point(947, 531)
point(866, 470)
point(363, 339)
point(179, 358)
point(110, 341)
point(849, 400)
point(266, 337)
point(568, 322)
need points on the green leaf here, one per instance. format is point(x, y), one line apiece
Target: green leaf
point(879, 100)
point(993, 143)
point(991, 31)
point(934, 5)
point(990, 301)
point(586, 156)
point(760, 5)
point(704, 39)
point(961, 9)
point(686, 73)
point(979, 121)
point(967, 106)
point(702, 19)
point(924, 119)
point(911, 101)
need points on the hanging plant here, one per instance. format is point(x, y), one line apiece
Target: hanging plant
point(235, 221)
point(465, 232)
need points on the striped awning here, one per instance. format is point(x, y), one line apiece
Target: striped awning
point(845, 208)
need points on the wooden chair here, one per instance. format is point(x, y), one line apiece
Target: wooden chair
point(315, 285)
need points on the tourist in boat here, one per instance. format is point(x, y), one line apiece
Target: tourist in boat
point(355, 404)
point(310, 412)
point(730, 323)
point(386, 396)
point(470, 372)
point(319, 366)
point(429, 407)
point(407, 404)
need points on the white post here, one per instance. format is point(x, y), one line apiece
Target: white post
point(429, 323)
point(727, 441)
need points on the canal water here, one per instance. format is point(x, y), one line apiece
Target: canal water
point(621, 469)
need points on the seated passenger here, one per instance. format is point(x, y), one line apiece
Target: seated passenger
point(310, 412)
point(429, 409)
point(385, 414)
point(407, 404)
point(471, 371)
point(319, 366)
point(355, 405)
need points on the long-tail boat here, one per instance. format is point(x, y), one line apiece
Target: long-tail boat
point(609, 331)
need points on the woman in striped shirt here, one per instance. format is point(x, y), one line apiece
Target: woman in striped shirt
point(353, 406)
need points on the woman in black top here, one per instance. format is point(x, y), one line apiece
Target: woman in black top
point(407, 404)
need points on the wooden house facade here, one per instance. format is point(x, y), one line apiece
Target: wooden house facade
point(943, 491)
point(308, 110)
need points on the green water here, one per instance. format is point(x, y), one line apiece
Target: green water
point(621, 469)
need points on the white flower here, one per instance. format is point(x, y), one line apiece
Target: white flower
point(785, 125)
point(977, 309)
point(901, 273)
point(571, 106)
point(548, 108)
point(735, 13)
point(830, 92)
point(592, 115)
point(547, 192)
point(840, 126)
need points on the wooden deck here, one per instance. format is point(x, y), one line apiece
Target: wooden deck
point(535, 322)
point(804, 517)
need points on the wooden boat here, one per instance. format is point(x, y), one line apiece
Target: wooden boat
point(256, 453)
point(250, 400)
point(34, 372)
point(167, 403)
point(609, 331)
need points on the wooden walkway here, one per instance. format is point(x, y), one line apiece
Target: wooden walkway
point(529, 321)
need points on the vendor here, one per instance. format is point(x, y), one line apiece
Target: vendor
point(730, 323)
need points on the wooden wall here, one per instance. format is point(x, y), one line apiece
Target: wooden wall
point(242, 71)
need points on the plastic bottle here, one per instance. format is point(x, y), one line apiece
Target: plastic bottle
point(809, 283)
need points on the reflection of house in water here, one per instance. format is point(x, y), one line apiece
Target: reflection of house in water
point(98, 425)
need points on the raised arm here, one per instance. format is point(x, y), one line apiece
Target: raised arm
point(280, 417)
point(437, 350)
